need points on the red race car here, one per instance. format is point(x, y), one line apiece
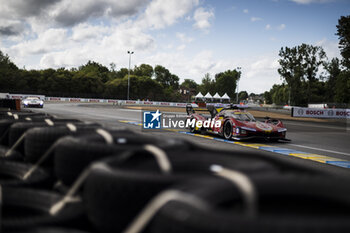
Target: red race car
point(235, 123)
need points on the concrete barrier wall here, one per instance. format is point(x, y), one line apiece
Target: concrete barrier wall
point(117, 102)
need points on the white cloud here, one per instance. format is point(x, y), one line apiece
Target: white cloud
point(268, 27)
point(168, 46)
point(24, 8)
point(192, 67)
point(281, 27)
point(162, 13)
point(52, 39)
point(203, 63)
point(183, 38)
point(304, 2)
point(106, 48)
point(68, 12)
point(245, 11)
point(67, 58)
point(181, 47)
point(254, 19)
point(9, 27)
point(259, 73)
point(202, 18)
point(86, 31)
point(55, 47)
point(124, 38)
point(330, 47)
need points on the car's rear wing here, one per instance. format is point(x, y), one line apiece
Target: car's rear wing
point(237, 106)
point(209, 109)
point(212, 109)
point(190, 109)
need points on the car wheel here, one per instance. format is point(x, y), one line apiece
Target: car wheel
point(227, 130)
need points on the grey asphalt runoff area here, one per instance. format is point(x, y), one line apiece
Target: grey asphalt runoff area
point(320, 138)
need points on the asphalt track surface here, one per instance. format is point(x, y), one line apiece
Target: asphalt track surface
point(320, 146)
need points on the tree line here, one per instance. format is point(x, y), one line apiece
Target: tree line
point(94, 80)
point(91, 80)
point(310, 77)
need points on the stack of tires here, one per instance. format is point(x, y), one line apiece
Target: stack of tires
point(65, 175)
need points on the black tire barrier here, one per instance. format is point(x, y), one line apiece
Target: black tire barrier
point(127, 137)
point(133, 138)
point(52, 230)
point(18, 129)
point(7, 123)
point(73, 155)
point(39, 140)
point(286, 204)
point(24, 209)
point(6, 111)
point(12, 155)
point(126, 186)
point(12, 174)
point(5, 128)
point(292, 198)
point(72, 120)
point(22, 115)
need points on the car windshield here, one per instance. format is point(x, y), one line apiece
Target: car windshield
point(32, 98)
point(241, 116)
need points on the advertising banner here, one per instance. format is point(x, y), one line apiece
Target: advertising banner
point(331, 113)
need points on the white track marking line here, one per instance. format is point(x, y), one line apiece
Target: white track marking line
point(319, 149)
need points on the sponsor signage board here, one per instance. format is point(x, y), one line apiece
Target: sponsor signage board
point(331, 113)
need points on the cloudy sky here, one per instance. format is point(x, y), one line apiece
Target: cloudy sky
point(189, 37)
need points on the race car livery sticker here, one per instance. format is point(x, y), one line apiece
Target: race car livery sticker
point(263, 126)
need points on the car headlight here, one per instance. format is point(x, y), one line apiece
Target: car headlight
point(282, 130)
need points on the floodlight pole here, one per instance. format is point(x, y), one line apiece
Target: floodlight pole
point(129, 52)
point(239, 76)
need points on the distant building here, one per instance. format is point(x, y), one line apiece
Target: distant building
point(186, 93)
point(256, 99)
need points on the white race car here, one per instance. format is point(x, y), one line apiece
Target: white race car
point(33, 101)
